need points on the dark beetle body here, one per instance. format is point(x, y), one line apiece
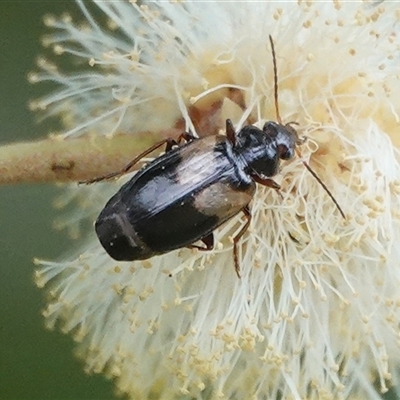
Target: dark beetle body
point(183, 195)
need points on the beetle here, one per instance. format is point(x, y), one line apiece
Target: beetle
point(182, 196)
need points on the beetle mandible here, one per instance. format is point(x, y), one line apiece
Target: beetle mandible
point(182, 196)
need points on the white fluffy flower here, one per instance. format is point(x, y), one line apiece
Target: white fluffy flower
point(317, 311)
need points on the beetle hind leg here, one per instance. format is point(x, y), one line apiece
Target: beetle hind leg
point(207, 240)
point(186, 136)
point(170, 143)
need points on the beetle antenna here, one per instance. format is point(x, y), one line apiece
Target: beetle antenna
point(278, 117)
point(325, 188)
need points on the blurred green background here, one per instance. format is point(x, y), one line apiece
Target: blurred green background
point(34, 363)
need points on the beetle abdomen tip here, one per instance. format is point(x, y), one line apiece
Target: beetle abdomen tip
point(118, 237)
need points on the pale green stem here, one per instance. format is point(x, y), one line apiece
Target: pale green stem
point(78, 159)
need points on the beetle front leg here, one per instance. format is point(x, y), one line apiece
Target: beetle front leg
point(268, 182)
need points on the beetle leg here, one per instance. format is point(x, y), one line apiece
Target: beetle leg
point(247, 214)
point(170, 143)
point(268, 182)
point(230, 132)
point(188, 137)
point(130, 164)
point(207, 240)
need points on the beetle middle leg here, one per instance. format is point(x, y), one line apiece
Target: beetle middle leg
point(247, 214)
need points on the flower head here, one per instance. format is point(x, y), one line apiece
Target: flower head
point(316, 312)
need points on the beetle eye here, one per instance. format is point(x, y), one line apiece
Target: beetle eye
point(284, 152)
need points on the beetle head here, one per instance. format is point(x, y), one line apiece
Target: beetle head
point(284, 136)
